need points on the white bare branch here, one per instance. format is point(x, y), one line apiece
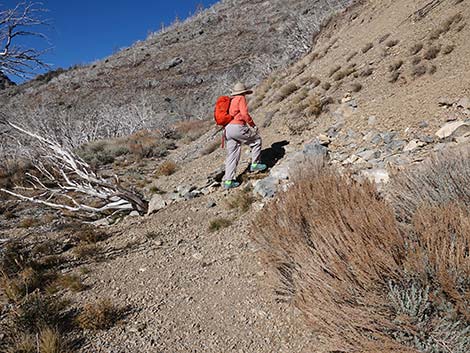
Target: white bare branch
point(65, 175)
point(20, 21)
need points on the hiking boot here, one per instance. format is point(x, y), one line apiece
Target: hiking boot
point(258, 167)
point(231, 184)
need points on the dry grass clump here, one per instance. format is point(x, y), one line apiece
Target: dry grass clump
point(384, 38)
point(219, 223)
point(392, 43)
point(86, 251)
point(334, 70)
point(50, 341)
point(191, 130)
point(241, 201)
point(446, 26)
point(432, 52)
point(394, 77)
point(326, 86)
point(416, 60)
point(365, 280)
point(167, 168)
point(366, 72)
point(103, 152)
point(147, 144)
point(432, 69)
point(314, 106)
point(315, 82)
point(448, 49)
point(351, 56)
point(416, 48)
point(367, 47)
point(419, 70)
point(286, 91)
point(98, 316)
point(356, 87)
point(28, 222)
point(71, 282)
point(395, 66)
point(441, 180)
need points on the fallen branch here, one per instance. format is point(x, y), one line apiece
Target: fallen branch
point(65, 174)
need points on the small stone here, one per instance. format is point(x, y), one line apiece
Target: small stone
point(197, 256)
point(134, 214)
point(211, 204)
point(378, 176)
point(423, 124)
point(372, 120)
point(412, 145)
point(324, 140)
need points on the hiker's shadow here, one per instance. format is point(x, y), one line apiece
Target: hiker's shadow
point(270, 156)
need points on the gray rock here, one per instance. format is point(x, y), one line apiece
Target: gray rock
point(369, 154)
point(396, 145)
point(174, 62)
point(376, 139)
point(134, 214)
point(412, 145)
point(156, 204)
point(315, 149)
point(211, 204)
point(426, 139)
point(280, 172)
point(423, 124)
point(192, 195)
point(266, 187)
point(388, 137)
point(464, 103)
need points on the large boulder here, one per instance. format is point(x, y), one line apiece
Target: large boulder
point(453, 129)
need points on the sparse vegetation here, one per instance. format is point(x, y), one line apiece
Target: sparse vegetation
point(395, 66)
point(356, 87)
point(211, 147)
point(367, 47)
point(416, 60)
point(448, 49)
point(98, 316)
point(326, 86)
point(432, 52)
point(394, 77)
point(286, 91)
point(351, 56)
point(167, 168)
point(241, 201)
point(366, 72)
point(409, 272)
point(334, 70)
point(416, 48)
point(384, 38)
point(445, 26)
point(392, 43)
point(419, 70)
point(219, 223)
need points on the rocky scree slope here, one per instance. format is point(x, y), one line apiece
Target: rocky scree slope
point(176, 73)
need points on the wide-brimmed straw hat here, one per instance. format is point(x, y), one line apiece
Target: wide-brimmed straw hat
point(240, 88)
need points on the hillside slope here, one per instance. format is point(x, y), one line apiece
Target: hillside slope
point(175, 73)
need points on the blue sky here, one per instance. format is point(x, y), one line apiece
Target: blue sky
point(82, 31)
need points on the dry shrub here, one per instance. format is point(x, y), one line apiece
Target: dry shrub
point(334, 245)
point(326, 86)
point(315, 82)
point(286, 91)
point(367, 47)
point(394, 77)
point(384, 37)
point(416, 60)
point(101, 315)
point(364, 281)
point(167, 168)
point(71, 282)
point(219, 223)
point(448, 49)
point(334, 70)
point(446, 26)
point(86, 251)
point(439, 252)
point(351, 56)
point(416, 48)
point(432, 52)
point(146, 144)
point(50, 341)
point(442, 179)
point(419, 70)
point(366, 72)
point(103, 152)
point(314, 106)
point(241, 201)
point(191, 130)
point(395, 66)
point(391, 43)
point(432, 69)
point(356, 87)
point(28, 222)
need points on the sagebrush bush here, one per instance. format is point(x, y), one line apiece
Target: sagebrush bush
point(416, 48)
point(147, 144)
point(442, 179)
point(191, 130)
point(370, 275)
point(219, 223)
point(432, 52)
point(286, 91)
point(167, 168)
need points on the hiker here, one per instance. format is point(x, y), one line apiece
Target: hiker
point(240, 130)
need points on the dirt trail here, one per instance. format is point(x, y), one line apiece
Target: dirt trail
point(189, 289)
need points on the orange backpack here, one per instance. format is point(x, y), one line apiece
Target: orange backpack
point(221, 113)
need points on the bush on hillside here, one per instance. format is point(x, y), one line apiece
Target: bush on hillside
point(365, 280)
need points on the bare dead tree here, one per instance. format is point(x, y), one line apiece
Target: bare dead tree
point(62, 175)
point(21, 21)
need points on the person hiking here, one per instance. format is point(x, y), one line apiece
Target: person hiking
point(240, 130)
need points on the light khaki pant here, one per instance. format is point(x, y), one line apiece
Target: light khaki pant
point(235, 136)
